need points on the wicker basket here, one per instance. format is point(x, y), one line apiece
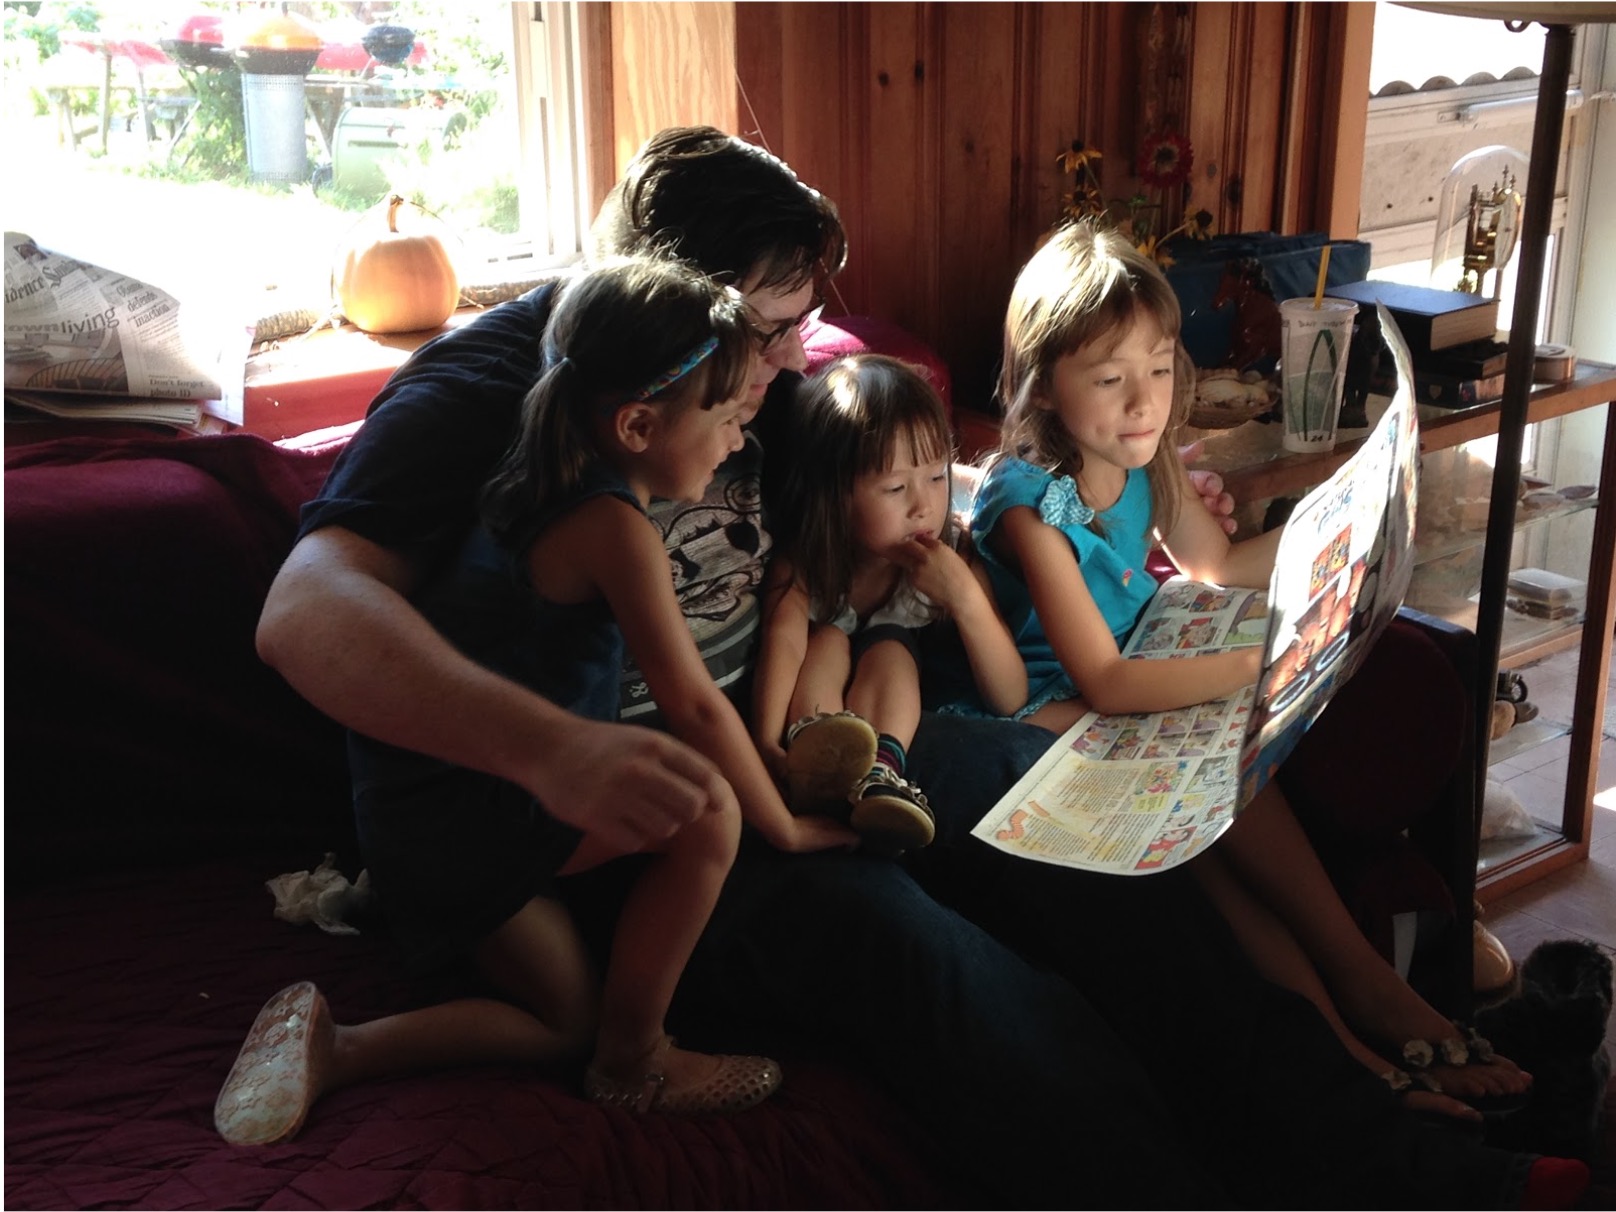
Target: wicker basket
point(1207, 414)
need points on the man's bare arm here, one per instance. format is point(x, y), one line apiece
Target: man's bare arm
point(337, 624)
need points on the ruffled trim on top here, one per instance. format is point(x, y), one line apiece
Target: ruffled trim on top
point(1060, 506)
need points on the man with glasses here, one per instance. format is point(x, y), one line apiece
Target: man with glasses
point(843, 950)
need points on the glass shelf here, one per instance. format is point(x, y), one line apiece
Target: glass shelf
point(1454, 543)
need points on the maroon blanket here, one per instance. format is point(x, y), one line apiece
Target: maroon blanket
point(128, 995)
point(139, 715)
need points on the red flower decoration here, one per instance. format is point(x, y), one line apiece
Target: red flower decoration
point(1165, 160)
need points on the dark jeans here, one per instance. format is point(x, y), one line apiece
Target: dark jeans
point(996, 1059)
point(1132, 1060)
point(1264, 1093)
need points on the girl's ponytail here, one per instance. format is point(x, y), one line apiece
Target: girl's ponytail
point(551, 450)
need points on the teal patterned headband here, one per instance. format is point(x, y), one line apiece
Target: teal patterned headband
point(671, 376)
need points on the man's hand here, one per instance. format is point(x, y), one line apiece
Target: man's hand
point(626, 785)
point(1210, 485)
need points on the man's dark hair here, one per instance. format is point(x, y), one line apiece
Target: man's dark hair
point(731, 209)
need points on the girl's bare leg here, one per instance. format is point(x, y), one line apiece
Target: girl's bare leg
point(825, 759)
point(826, 666)
point(538, 960)
point(1059, 715)
point(295, 1053)
point(661, 921)
point(1271, 854)
point(886, 690)
point(1280, 958)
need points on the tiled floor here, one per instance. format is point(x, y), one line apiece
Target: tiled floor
point(1579, 901)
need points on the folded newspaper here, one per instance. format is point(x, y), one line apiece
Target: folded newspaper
point(1135, 794)
point(83, 332)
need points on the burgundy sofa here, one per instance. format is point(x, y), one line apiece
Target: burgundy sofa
point(157, 774)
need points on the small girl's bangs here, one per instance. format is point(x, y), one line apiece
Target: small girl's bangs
point(729, 370)
point(893, 406)
point(928, 442)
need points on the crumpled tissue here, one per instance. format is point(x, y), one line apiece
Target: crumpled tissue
point(322, 896)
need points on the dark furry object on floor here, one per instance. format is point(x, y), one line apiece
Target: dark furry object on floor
point(1555, 1029)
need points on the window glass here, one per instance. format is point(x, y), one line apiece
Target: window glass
point(238, 145)
point(1415, 47)
point(1450, 95)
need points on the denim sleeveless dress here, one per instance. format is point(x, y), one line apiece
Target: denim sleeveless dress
point(453, 852)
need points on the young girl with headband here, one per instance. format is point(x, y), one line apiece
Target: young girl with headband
point(1095, 386)
point(644, 394)
point(866, 560)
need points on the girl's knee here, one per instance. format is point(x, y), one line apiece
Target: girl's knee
point(715, 835)
point(826, 639)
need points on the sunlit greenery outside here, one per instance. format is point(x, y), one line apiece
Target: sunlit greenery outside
point(191, 187)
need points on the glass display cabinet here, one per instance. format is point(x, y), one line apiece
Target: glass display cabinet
point(1547, 610)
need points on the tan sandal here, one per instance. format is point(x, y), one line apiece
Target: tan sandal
point(826, 755)
point(890, 813)
point(739, 1083)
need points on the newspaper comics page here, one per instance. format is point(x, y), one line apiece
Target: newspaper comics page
point(1132, 794)
point(1127, 794)
point(1342, 570)
point(1135, 794)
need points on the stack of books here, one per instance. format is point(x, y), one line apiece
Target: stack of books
point(1451, 337)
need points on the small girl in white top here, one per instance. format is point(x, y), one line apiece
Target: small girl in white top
point(867, 559)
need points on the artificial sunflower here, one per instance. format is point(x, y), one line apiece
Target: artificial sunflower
point(1078, 157)
point(1138, 216)
point(1165, 160)
point(1085, 198)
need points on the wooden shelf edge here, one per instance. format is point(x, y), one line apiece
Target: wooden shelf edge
point(1527, 868)
point(1593, 385)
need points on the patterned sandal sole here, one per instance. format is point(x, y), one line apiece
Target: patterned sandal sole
point(826, 760)
point(272, 1084)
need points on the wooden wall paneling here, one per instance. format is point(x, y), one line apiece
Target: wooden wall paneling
point(1161, 38)
point(1349, 121)
point(1216, 131)
point(1235, 107)
point(798, 95)
point(978, 87)
point(760, 73)
point(935, 126)
point(678, 64)
point(824, 52)
point(901, 250)
point(817, 117)
point(1062, 56)
point(595, 60)
point(1325, 117)
point(1266, 30)
point(1297, 191)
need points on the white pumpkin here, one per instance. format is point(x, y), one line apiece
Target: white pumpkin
point(387, 280)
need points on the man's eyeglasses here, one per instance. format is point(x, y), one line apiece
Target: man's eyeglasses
point(768, 338)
